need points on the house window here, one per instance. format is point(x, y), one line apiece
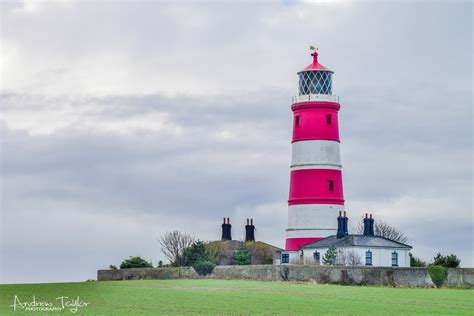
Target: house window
point(297, 121)
point(317, 256)
point(328, 119)
point(285, 258)
point(368, 258)
point(394, 259)
point(331, 185)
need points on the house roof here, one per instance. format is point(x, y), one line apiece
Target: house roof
point(356, 241)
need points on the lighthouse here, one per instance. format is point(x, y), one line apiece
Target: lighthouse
point(316, 195)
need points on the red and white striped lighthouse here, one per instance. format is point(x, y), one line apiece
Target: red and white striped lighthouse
point(316, 181)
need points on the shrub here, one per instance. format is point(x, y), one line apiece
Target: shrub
point(261, 253)
point(135, 262)
point(416, 262)
point(160, 264)
point(197, 252)
point(204, 267)
point(242, 256)
point(438, 275)
point(330, 256)
point(113, 267)
point(450, 261)
point(218, 251)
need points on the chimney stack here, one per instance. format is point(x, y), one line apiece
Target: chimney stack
point(342, 223)
point(366, 225)
point(340, 226)
point(226, 230)
point(371, 226)
point(249, 231)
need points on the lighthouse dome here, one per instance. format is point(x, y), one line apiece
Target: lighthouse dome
point(315, 78)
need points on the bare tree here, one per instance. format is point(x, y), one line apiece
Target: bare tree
point(173, 245)
point(348, 258)
point(340, 258)
point(385, 230)
point(353, 259)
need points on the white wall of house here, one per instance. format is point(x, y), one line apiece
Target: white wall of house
point(293, 257)
point(381, 257)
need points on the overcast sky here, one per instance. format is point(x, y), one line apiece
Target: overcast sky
point(121, 121)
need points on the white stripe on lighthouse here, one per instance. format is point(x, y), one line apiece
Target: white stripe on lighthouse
point(316, 154)
point(311, 233)
point(313, 216)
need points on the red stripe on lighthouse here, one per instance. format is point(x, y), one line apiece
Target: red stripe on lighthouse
point(315, 123)
point(316, 186)
point(297, 243)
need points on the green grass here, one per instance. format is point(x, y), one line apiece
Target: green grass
point(240, 297)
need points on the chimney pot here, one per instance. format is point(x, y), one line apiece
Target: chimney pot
point(370, 215)
point(251, 221)
point(340, 213)
point(344, 213)
point(228, 220)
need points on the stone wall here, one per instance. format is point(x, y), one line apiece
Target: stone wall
point(329, 275)
point(146, 273)
point(399, 277)
point(460, 278)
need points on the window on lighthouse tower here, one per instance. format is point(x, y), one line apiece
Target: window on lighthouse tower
point(328, 119)
point(297, 121)
point(331, 185)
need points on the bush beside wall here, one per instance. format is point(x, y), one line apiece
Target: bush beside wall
point(438, 275)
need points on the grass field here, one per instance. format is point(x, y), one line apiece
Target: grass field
point(238, 297)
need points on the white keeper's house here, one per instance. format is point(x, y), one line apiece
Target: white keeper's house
point(365, 250)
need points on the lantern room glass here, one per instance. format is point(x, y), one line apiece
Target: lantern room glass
point(315, 82)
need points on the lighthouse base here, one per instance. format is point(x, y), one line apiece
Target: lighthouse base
point(308, 223)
